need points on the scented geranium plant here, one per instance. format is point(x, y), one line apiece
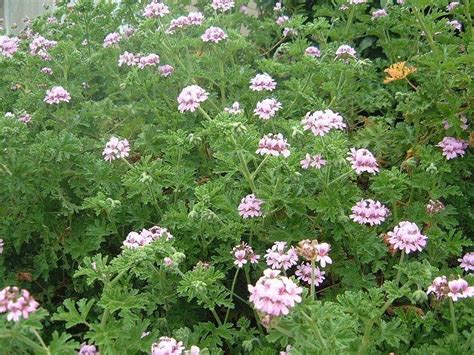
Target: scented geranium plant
point(231, 178)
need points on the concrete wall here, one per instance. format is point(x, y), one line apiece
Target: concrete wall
point(15, 10)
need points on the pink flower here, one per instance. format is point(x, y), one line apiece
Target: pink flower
point(303, 273)
point(168, 261)
point(167, 346)
point(459, 289)
point(8, 46)
point(467, 262)
point(116, 149)
point(453, 147)
point(191, 97)
point(250, 207)
point(244, 253)
point(321, 122)
point(56, 95)
point(464, 124)
point(39, 47)
point(262, 82)
point(128, 31)
point(148, 60)
point(47, 71)
point(363, 160)
point(267, 108)
point(288, 32)
point(280, 256)
point(17, 303)
point(88, 350)
point(369, 211)
point(277, 7)
point(234, 109)
point(180, 22)
point(222, 5)
point(214, 34)
point(379, 13)
point(195, 18)
point(439, 287)
point(156, 9)
point(312, 52)
point(274, 295)
point(434, 207)
point(111, 39)
point(323, 249)
point(281, 20)
point(136, 240)
point(452, 5)
point(165, 70)
point(128, 59)
point(315, 161)
point(345, 52)
point(455, 24)
point(273, 144)
point(25, 118)
point(406, 236)
point(1, 246)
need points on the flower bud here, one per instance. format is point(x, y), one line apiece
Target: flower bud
point(200, 286)
point(419, 296)
point(144, 178)
point(432, 169)
point(239, 127)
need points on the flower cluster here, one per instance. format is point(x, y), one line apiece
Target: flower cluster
point(379, 13)
point(267, 108)
point(116, 149)
point(453, 147)
point(165, 70)
point(455, 25)
point(452, 5)
point(363, 160)
point(193, 19)
point(313, 161)
point(273, 144)
point(136, 240)
point(434, 207)
point(369, 212)
point(88, 350)
point(47, 71)
point(111, 39)
point(222, 5)
point(39, 47)
point(56, 95)
point(280, 21)
point(25, 118)
point(8, 46)
point(467, 262)
point(156, 9)
point(234, 109)
point(345, 52)
point(274, 295)
point(321, 122)
point(244, 253)
point(167, 346)
point(303, 273)
point(262, 82)
point(138, 60)
point(406, 236)
point(250, 207)
point(313, 250)
point(279, 256)
point(214, 34)
point(455, 289)
point(17, 303)
point(191, 97)
point(312, 52)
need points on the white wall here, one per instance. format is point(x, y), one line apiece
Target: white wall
point(15, 10)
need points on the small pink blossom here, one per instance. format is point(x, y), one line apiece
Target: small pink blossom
point(452, 147)
point(363, 160)
point(148, 60)
point(250, 207)
point(156, 9)
point(191, 98)
point(116, 149)
point(167, 346)
point(467, 262)
point(128, 59)
point(288, 32)
point(452, 5)
point(262, 82)
point(25, 118)
point(378, 14)
point(8, 46)
point(459, 289)
point(322, 256)
point(88, 350)
point(274, 295)
point(111, 39)
point(17, 303)
point(273, 144)
point(56, 95)
point(165, 70)
point(180, 22)
point(345, 52)
point(280, 21)
point(313, 161)
point(214, 34)
point(168, 261)
point(406, 236)
point(39, 47)
point(234, 109)
point(267, 108)
point(47, 71)
point(244, 253)
point(279, 256)
point(128, 31)
point(369, 212)
point(222, 5)
point(321, 122)
point(303, 273)
point(277, 7)
point(312, 52)
point(439, 287)
point(195, 18)
point(136, 240)
point(455, 24)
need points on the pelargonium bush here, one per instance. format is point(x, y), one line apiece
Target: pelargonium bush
point(225, 178)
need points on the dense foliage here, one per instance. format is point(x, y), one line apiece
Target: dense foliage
point(120, 117)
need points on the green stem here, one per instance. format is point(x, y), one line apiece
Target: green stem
point(316, 328)
point(399, 272)
point(232, 293)
point(204, 113)
point(340, 177)
point(128, 163)
point(453, 319)
point(425, 29)
point(260, 166)
point(244, 168)
point(349, 20)
point(467, 12)
point(18, 336)
point(216, 316)
point(46, 349)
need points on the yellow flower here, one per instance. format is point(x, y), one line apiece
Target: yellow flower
point(398, 71)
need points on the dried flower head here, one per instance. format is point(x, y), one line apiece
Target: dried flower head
point(434, 207)
point(398, 71)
